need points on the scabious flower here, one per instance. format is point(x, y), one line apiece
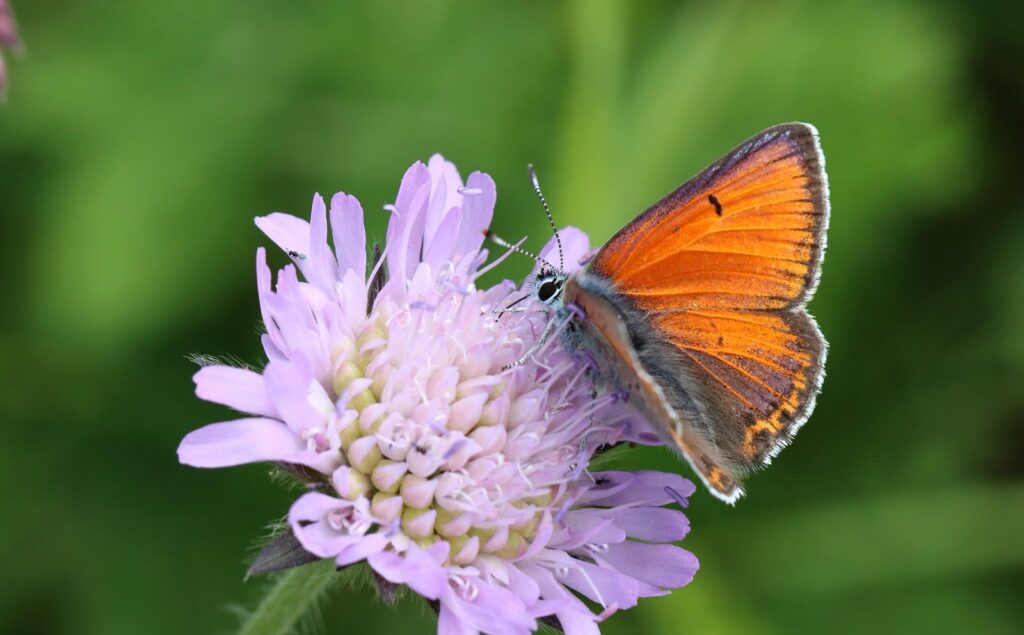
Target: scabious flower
point(8, 39)
point(425, 456)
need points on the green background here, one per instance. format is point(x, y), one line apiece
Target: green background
point(140, 138)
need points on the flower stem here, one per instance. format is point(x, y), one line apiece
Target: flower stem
point(293, 595)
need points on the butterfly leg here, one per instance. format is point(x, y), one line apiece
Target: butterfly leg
point(512, 308)
point(541, 341)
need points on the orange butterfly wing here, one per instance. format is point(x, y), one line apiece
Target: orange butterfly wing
point(722, 268)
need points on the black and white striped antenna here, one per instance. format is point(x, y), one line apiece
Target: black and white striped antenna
point(547, 210)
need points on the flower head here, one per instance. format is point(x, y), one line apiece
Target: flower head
point(427, 456)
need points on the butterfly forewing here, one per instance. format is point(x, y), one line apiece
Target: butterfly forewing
point(745, 234)
point(721, 269)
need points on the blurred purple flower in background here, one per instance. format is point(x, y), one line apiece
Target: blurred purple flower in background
point(425, 457)
point(8, 39)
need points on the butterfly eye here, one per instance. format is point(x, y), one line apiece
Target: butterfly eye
point(547, 290)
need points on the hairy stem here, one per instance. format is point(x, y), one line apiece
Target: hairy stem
point(293, 596)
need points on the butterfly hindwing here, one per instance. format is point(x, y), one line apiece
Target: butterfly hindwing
point(766, 367)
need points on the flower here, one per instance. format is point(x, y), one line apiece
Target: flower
point(427, 455)
point(8, 39)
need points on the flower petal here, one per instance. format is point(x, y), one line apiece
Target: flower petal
point(606, 586)
point(449, 624)
point(634, 489)
point(577, 622)
point(573, 614)
point(273, 341)
point(349, 234)
point(322, 268)
point(307, 518)
point(289, 233)
point(239, 442)
point(477, 211)
point(493, 609)
point(290, 385)
point(540, 540)
point(653, 524)
point(445, 196)
point(665, 566)
point(525, 587)
point(405, 229)
point(362, 549)
point(438, 247)
point(587, 526)
point(293, 317)
point(420, 570)
point(351, 294)
point(445, 183)
point(238, 388)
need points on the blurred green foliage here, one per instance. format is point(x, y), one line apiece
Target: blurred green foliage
point(140, 138)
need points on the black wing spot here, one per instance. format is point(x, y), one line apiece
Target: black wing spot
point(714, 201)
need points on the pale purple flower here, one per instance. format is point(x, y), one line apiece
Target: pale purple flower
point(466, 482)
point(8, 39)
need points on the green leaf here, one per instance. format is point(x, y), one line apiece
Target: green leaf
point(293, 597)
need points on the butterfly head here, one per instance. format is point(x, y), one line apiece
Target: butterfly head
point(548, 286)
point(550, 280)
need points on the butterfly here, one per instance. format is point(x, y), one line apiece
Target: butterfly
point(697, 307)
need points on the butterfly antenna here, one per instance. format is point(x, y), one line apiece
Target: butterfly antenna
point(501, 242)
point(547, 210)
